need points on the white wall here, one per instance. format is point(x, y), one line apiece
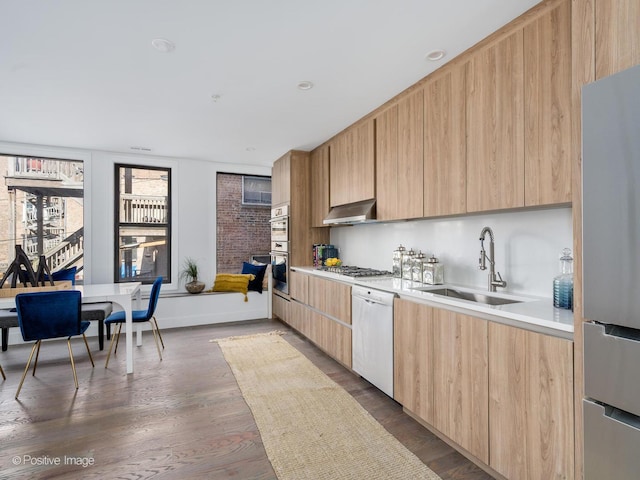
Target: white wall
point(527, 246)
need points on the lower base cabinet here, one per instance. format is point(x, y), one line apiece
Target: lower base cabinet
point(531, 420)
point(502, 394)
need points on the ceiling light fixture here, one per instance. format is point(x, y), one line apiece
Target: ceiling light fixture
point(435, 55)
point(141, 149)
point(163, 45)
point(305, 85)
point(250, 149)
point(215, 97)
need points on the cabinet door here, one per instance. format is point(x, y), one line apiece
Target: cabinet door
point(547, 72)
point(353, 165)
point(331, 297)
point(387, 164)
point(617, 36)
point(319, 185)
point(413, 358)
point(445, 162)
point(280, 308)
point(299, 286)
point(410, 156)
point(281, 180)
point(494, 124)
point(530, 404)
point(460, 380)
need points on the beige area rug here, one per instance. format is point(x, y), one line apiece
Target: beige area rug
point(310, 426)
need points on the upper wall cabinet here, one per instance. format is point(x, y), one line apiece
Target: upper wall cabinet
point(445, 162)
point(352, 164)
point(495, 115)
point(617, 35)
point(281, 180)
point(547, 106)
point(399, 159)
point(319, 185)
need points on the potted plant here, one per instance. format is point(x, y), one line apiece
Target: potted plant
point(190, 273)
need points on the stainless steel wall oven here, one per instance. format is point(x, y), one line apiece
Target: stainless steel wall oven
point(280, 248)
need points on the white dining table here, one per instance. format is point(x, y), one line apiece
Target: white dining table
point(122, 294)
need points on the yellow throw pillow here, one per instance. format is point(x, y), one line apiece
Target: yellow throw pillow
point(231, 282)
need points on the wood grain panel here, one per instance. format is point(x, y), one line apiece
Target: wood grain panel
point(617, 36)
point(339, 166)
point(362, 180)
point(320, 174)
point(445, 162)
point(387, 164)
point(281, 181)
point(460, 380)
point(299, 286)
point(331, 297)
point(507, 401)
point(547, 44)
point(530, 404)
point(411, 156)
point(280, 308)
point(495, 126)
point(413, 358)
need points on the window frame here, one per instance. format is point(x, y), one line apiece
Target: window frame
point(257, 177)
point(118, 224)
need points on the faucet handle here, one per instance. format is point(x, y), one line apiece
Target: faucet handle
point(500, 282)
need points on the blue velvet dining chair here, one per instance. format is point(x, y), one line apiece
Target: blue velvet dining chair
point(44, 315)
point(138, 316)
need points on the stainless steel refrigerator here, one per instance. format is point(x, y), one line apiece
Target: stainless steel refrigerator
point(611, 276)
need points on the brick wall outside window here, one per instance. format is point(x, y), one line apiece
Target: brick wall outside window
point(242, 230)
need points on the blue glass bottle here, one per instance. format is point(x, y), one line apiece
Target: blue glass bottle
point(563, 283)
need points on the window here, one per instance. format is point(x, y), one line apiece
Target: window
point(41, 209)
point(143, 223)
point(256, 191)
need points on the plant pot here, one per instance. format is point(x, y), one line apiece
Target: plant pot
point(195, 286)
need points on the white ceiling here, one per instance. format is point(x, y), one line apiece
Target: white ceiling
point(78, 73)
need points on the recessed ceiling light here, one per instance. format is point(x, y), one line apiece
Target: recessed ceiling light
point(305, 85)
point(215, 97)
point(141, 149)
point(163, 45)
point(250, 149)
point(435, 55)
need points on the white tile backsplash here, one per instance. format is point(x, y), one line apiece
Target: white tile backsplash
point(527, 246)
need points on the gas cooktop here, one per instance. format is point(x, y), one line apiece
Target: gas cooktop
point(351, 271)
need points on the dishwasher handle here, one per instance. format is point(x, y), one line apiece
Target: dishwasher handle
point(372, 296)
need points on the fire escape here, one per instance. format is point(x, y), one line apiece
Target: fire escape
point(48, 186)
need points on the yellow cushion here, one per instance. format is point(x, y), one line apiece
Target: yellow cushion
point(230, 282)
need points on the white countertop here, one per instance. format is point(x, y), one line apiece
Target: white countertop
point(532, 313)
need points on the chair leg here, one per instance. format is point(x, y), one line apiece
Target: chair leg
point(101, 334)
point(158, 330)
point(113, 339)
point(88, 351)
point(26, 368)
point(5, 338)
point(35, 364)
point(4, 377)
point(155, 339)
point(73, 365)
point(118, 338)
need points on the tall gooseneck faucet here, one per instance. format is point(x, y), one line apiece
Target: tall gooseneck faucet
point(495, 279)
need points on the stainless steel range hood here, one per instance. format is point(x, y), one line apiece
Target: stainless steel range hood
point(350, 213)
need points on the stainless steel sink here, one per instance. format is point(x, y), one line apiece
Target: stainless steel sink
point(471, 296)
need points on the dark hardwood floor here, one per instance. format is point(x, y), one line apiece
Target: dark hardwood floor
point(180, 418)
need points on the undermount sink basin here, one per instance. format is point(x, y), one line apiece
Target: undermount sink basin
point(471, 296)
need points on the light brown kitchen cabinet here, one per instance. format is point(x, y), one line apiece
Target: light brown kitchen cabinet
point(445, 149)
point(331, 297)
point(413, 357)
point(352, 164)
point(299, 317)
point(460, 380)
point(399, 159)
point(280, 308)
point(547, 107)
point(531, 421)
point(299, 286)
point(617, 36)
point(494, 125)
point(332, 337)
point(281, 180)
point(320, 173)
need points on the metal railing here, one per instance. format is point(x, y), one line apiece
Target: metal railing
point(143, 209)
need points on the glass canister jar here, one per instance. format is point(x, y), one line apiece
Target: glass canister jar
point(397, 261)
point(433, 272)
point(407, 264)
point(417, 266)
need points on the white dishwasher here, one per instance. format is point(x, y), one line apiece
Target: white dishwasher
point(372, 336)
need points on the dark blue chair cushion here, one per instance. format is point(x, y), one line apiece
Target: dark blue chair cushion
point(49, 314)
point(139, 315)
point(258, 271)
point(66, 274)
